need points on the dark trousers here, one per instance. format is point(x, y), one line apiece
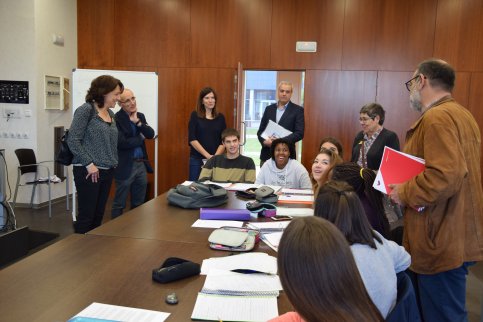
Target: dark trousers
point(135, 185)
point(195, 168)
point(91, 198)
point(442, 296)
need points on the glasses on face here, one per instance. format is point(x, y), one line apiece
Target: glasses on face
point(410, 82)
point(365, 119)
point(129, 100)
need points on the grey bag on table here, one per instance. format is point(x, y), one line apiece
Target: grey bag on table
point(197, 195)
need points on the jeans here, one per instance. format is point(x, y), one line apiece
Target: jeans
point(442, 296)
point(91, 198)
point(195, 168)
point(136, 184)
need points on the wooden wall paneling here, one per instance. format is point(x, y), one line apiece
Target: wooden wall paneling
point(394, 98)
point(154, 32)
point(475, 99)
point(95, 33)
point(178, 93)
point(242, 33)
point(203, 33)
point(461, 90)
point(332, 103)
point(459, 34)
point(387, 35)
point(311, 20)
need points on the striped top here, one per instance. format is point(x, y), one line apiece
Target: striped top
point(221, 169)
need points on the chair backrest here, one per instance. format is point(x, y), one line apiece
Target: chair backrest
point(406, 309)
point(26, 156)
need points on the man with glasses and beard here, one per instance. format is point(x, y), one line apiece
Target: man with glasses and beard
point(443, 221)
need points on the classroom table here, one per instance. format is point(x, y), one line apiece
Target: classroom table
point(113, 265)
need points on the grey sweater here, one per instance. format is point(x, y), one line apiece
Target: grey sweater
point(92, 140)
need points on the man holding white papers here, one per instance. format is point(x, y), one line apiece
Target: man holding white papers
point(232, 166)
point(443, 222)
point(286, 114)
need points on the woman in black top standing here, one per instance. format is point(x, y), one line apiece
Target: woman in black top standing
point(369, 143)
point(204, 132)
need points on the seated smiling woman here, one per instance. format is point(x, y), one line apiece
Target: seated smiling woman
point(282, 169)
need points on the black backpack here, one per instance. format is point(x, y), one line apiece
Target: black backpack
point(197, 195)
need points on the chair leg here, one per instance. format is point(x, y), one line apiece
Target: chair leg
point(32, 196)
point(67, 187)
point(50, 200)
point(16, 190)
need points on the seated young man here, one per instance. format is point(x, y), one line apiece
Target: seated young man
point(231, 166)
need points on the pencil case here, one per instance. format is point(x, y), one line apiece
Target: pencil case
point(234, 239)
point(224, 214)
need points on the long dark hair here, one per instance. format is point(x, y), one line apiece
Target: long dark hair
point(101, 86)
point(200, 107)
point(338, 203)
point(319, 274)
point(362, 180)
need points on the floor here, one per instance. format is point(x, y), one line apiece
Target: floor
point(61, 223)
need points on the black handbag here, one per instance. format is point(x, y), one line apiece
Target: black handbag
point(64, 156)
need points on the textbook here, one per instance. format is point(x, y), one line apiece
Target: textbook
point(396, 167)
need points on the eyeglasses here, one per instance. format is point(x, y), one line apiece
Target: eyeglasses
point(365, 119)
point(129, 100)
point(409, 83)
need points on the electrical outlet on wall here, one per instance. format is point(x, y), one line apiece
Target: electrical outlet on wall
point(5, 134)
point(11, 112)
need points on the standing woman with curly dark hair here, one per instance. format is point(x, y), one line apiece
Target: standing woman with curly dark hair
point(93, 142)
point(204, 132)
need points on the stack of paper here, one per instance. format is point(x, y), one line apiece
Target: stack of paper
point(260, 262)
point(106, 312)
point(234, 296)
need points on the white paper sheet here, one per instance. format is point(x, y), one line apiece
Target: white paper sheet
point(260, 262)
point(201, 223)
point(276, 130)
point(121, 313)
point(296, 198)
point(291, 191)
point(269, 225)
point(295, 212)
point(235, 308)
point(225, 280)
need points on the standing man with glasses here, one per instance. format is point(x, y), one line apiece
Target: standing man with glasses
point(286, 114)
point(446, 235)
point(131, 173)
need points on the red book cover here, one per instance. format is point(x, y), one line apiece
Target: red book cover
point(396, 167)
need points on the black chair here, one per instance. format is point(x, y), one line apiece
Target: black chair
point(406, 309)
point(29, 165)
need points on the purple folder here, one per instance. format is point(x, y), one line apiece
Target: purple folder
point(224, 214)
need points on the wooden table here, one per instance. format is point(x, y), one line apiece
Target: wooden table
point(113, 265)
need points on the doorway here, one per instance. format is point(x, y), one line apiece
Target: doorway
point(259, 89)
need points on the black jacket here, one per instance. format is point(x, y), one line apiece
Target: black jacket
point(374, 155)
point(127, 142)
point(292, 119)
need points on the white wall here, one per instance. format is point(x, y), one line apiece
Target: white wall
point(27, 53)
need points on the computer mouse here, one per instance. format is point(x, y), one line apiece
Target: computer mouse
point(172, 299)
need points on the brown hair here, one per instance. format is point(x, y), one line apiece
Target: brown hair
point(229, 132)
point(335, 142)
point(200, 107)
point(319, 274)
point(338, 203)
point(373, 110)
point(334, 160)
point(100, 87)
point(362, 180)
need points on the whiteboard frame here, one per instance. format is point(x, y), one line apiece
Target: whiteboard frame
point(145, 88)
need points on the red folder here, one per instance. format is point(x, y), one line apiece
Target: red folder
point(396, 167)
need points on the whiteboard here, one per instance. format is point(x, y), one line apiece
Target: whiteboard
point(145, 88)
